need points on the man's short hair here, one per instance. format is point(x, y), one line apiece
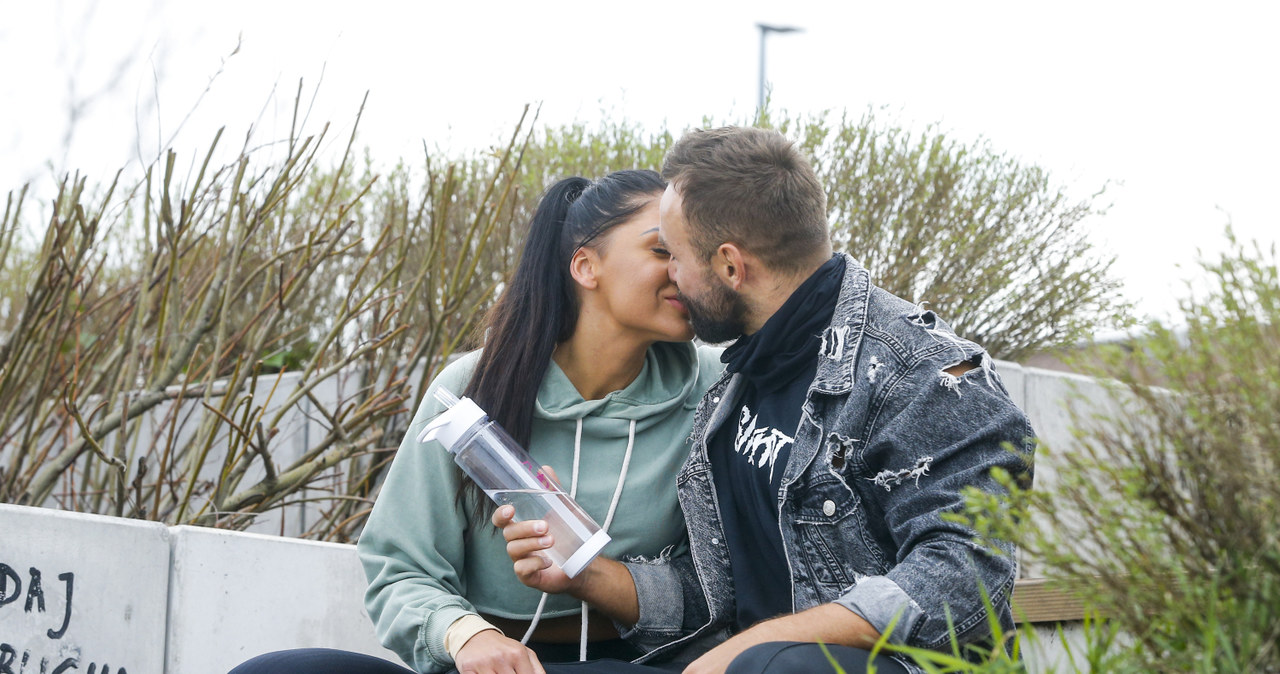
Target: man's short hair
point(751, 187)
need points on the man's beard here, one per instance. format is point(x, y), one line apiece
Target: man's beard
point(718, 316)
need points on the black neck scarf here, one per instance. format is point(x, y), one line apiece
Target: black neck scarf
point(787, 344)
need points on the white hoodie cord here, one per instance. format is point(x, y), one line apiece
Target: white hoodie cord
point(608, 519)
point(533, 624)
point(613, 508)
point(577, 459)
point(622, 476)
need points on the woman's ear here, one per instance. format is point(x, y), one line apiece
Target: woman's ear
point(582, 267)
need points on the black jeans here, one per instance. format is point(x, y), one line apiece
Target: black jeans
point(318, 661)
point(790, 657)
point(778, 657)
point(332, 661)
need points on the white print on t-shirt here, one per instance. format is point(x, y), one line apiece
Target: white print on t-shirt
point(760, 446)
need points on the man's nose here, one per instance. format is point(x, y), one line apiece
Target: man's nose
point(671, 271)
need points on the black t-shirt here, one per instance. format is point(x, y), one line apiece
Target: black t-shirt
point(750, 451)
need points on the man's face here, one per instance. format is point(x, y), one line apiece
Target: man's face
point(716, 311)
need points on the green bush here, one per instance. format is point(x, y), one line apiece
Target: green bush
point(990, 243)
point(994, 245)
point(1165, 514)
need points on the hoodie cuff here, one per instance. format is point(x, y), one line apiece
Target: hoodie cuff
point(880, 601)
point(430, 649)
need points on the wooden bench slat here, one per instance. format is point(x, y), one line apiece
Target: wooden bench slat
point(1037, 600)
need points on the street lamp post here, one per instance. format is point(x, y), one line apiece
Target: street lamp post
point(765, 29)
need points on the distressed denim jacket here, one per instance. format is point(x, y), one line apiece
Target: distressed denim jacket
point(887, 441)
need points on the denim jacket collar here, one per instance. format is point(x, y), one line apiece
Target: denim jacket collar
point(841, 339)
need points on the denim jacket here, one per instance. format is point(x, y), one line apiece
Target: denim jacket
point(886, 443)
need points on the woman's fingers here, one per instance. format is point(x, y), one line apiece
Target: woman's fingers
point(503, 516)
point(521, 530)
point(535, 667)
point(520, 548)
point(529, 567)
point(516, 530)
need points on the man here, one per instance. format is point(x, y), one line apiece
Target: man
point(847, 424)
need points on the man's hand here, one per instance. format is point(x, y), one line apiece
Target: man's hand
point(489, 652)
point(829, 623)
point(525, 544)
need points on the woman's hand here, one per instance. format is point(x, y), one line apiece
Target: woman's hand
point(490, 652)
point(525, 543)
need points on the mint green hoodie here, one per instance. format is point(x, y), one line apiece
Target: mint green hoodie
point(429, 564)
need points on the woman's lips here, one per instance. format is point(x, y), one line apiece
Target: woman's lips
point(675, 302)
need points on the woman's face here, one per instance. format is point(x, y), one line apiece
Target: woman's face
point(633, 286)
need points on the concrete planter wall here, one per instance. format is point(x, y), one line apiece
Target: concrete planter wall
point(116, 596)
point(236, 595)
point(80, 591)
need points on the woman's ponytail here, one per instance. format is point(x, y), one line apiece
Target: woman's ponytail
point(537, 310)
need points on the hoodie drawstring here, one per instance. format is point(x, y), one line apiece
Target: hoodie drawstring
point(613, 508)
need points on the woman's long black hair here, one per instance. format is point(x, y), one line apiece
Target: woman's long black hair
point(539, 307)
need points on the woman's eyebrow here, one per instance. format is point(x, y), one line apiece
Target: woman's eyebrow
point(648, 231)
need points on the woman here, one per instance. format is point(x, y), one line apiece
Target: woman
point(587, 363)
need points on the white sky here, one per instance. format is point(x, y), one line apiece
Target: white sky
point(1176, 104)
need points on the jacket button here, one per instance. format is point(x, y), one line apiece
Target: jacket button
point(715, 399)
point(829, 508)
point(715, 541)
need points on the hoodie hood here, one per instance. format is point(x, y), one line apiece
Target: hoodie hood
point(668, 382)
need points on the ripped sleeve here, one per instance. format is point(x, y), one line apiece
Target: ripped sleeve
point(946, 436)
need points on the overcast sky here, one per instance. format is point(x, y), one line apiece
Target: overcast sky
point(1176, 105)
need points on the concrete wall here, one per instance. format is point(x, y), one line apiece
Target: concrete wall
point(81, 591)
point(1054, 402)
point(141, 598)
point(1055, 648)
point(283, 593)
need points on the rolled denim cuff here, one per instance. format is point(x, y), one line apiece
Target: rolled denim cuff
point(879, 601)
point(660, 598)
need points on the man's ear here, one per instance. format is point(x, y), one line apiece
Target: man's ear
point(582, 267)
point(730, 264)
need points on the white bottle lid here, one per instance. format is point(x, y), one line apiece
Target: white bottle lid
point(452, 423)
point(590, 548)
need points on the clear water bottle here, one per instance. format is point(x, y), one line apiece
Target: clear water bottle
point(510, 476)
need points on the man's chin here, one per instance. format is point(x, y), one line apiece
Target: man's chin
point(718, 316)
point(716, 332)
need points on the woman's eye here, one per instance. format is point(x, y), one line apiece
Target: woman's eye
point(661, 252)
